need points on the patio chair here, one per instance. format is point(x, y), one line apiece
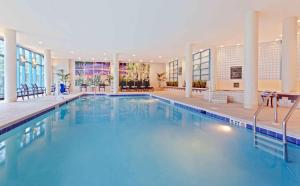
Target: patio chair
point(101, 85)
point(124, 86)
point(147, 85)
point(53, 88)
point(27, 91)
point(39, 90)
point(140, 86)
point(20, 93)
point(83, 86)
point(132, 86)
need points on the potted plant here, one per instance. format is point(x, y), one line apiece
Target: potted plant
point(64, 78)
point(161, 78)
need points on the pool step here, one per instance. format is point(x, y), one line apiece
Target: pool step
point(270, 145)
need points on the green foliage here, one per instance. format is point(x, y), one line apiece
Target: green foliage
point(172, 83)
point(79, 81)
point(199, 84)
point(62, 76)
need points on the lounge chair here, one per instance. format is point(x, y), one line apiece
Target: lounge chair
point(83, 86)
point(101, 85)
point(147, 85)
point(39, 90)
point(27, 91)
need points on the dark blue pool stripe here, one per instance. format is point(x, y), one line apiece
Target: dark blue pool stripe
point(201, 111)
point(23, 121)
point(273, 134)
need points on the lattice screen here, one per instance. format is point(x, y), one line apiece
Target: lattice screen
point(268, 62)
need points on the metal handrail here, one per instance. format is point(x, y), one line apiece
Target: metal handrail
point(284, 123)
point(259, 109)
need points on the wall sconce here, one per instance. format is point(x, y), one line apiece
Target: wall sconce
point(33, 62)
point(23, 59)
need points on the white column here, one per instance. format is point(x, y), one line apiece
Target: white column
point(213, 69)
point(10, 66)
point(72, 75)
point(251, 60)
point(116, 73)
point(289, 55)
point(188, 70)
point(48, 71)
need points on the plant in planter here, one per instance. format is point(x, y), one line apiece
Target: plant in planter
point(64, 78)
point(161, 78)
point(108, 79)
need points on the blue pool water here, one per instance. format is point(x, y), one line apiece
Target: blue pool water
point(136, 141)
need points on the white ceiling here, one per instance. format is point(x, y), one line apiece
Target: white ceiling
point(147, 28)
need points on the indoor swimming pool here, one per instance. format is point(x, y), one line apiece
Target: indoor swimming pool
point(137, 141)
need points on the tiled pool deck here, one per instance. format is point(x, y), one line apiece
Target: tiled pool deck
point(13, 113)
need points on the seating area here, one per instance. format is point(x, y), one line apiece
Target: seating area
point(33, 91)
point(135, 86)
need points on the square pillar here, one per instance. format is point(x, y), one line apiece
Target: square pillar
point(251, 60)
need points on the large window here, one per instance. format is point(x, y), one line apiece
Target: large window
point(91, 73)
point(1, 69)
point(173, 71)
point(201, 65)
point(30, 67)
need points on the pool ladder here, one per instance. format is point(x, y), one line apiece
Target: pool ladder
point(270, 144)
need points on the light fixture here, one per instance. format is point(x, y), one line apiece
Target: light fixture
point(277, 39)
point(238, 44)
point(159, 57)
point(40, 42)
point(104, 54)
point(151, 61)
point(133, 55)
point(225, 128)
point(141, 60)
point(221, 46)
point(72, 52)
point(33, 62)
point(298, 21)
point(79, 58)
point(23, 59)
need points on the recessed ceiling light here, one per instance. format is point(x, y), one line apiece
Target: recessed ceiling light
point(79, 58)
point(133, 55)
point(277, 39)
point(298, 21)
point(238, 44)
point(221, 46)
point(159, 57)
point(151, 61)
point(40, 42)
point(72, 52)
point(141, 60)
